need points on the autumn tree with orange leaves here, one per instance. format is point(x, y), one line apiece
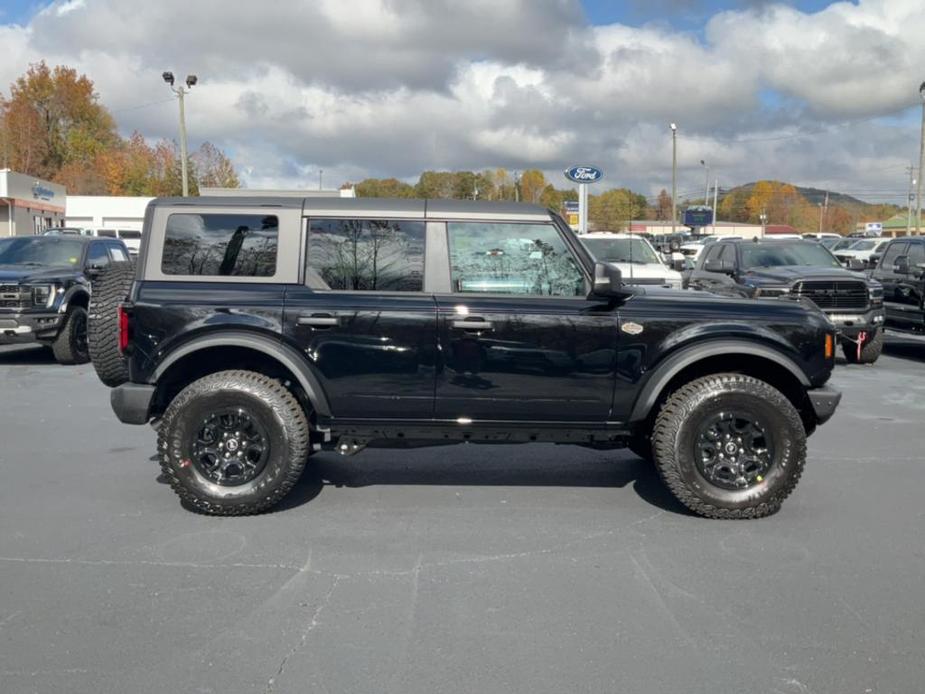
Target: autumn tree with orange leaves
point(53, 126)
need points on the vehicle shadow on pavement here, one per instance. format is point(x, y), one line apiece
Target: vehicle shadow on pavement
point(29, 355)
point(905, 348)
point(623, 469)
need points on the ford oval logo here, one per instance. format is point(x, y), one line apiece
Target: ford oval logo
point(584, 174)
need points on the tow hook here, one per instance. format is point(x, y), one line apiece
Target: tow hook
point(861, 339)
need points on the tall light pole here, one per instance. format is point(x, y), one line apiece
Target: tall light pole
point(674, 177)
point(191, 81)
point(909, 201)
point(706, 183)
point(918, 187)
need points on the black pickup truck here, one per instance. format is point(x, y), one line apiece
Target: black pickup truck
point(901, 271)
point(257, 331)
point(796, 269)
point(45, 290)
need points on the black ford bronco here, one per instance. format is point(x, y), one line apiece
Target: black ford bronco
point(257, 331)
point(797, 269)
point(45, 290)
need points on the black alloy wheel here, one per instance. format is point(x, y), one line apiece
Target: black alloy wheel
point(733, 450)
point(231, 447)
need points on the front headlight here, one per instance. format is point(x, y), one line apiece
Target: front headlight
point(43, 295)
point(875, 294)
point(771, 291)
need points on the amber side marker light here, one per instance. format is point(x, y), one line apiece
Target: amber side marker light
point(829, 346)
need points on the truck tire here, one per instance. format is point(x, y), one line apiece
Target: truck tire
point(233, 443)
point(107, 292)
point(70, 347)
point(870, 349)
point(729, 446)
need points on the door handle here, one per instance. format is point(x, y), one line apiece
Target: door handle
point(473, 324)
point(319, 320)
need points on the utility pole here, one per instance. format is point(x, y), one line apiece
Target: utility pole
point(674, 177)
point(764, 222)
point(191, 81)
point(706, 186)
point(823, 210)
point(715, 201)
point(918, 187)
point(909, 200)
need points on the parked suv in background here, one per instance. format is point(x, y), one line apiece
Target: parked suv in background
point(799, 270)
point(901, 271)
point(638, 262)
point(45, 289)
point(259, 330)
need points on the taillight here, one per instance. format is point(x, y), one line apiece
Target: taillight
point(124, 329)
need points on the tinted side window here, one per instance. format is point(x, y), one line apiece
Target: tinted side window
point(728, 253)
point(512, 259)
point(366, 255)
point(916, 253)
point(893, 251)
point(711, 253)
point(221, 245)
point(97, 255)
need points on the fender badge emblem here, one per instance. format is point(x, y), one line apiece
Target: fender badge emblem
point(631, 328)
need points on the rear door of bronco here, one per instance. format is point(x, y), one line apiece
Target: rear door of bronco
point(362, 316)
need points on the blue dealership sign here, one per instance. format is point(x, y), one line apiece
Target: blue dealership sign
point(584, 174)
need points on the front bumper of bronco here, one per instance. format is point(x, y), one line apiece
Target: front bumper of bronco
point(19, 328)
point(824, 400)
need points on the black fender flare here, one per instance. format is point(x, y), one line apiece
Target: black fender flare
point(281, 352)
point(70, 294)
point(662, 374)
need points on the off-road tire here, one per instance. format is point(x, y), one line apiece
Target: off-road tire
point(280, 412)
point(107, 292)
point(870, 349)
point(674, 435)
point(66, 346)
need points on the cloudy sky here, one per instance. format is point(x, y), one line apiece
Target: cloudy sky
point(822, 94)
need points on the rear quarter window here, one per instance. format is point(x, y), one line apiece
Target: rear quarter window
point(220, 245)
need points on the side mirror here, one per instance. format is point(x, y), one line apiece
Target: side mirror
point(678, 265)
point(901, 265)
point(721, 266)
point(608, 280)
point(855, 264)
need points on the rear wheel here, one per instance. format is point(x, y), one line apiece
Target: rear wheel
point(870, 351)
point(729, 446)
point(233, 443)
point(70, 347)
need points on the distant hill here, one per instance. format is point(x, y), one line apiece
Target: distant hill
point(813, 195)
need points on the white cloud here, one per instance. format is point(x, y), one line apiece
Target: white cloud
point(392, 87)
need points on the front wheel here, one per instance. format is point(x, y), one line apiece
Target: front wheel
point(729, 446)
point(70, 346)
point(233, 443)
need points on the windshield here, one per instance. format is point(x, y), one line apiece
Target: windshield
point(129, 234)
point(40, 251)
point(863, 246)
point(621, 250)
point(796, 253)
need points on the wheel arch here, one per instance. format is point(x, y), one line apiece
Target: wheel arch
point(720, 356)
point(75, 296)
point(236, 350)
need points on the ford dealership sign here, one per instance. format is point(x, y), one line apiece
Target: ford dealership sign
point(584, 174)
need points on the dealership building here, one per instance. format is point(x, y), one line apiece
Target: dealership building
point(29, 205)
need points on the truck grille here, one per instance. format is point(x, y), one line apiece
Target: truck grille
point(13, 296)
point(833, 295)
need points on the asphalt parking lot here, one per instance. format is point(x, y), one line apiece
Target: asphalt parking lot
point(465, 569)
